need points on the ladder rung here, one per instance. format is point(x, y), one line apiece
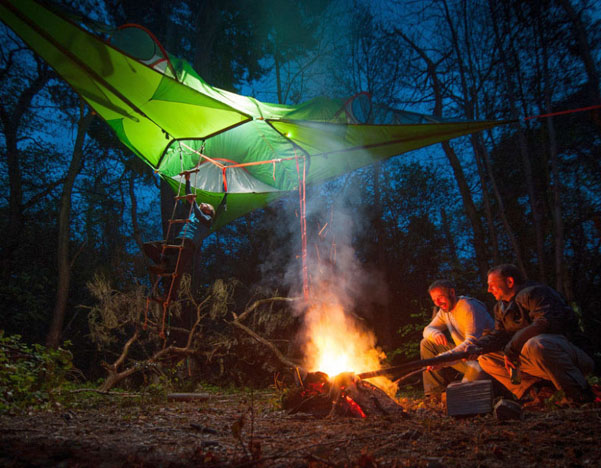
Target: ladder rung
point(172, 246)
point(190, 197)
point(178, 221)
point(189, 171)
point(167, 273)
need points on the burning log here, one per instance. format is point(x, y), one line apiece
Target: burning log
point(349, 394)
point(343, 395)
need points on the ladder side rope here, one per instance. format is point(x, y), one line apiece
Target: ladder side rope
point(303, 224)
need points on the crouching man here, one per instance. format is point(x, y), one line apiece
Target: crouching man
point(465, 319)
point(529, 342)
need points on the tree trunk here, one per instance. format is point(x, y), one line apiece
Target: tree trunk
point(512, 238)
point(11, 121)
point(450, 241)
point(134, 209)
point(558, 237)
point(207, 22)
point(479, 148)
point(377, 214)
point(385, 328)
point(469, 100)
point(278, 78)
point(584, 50)
point(478, 241)
point(523, 147)
point(167, 207)
point(560, 276)
point(64, 268)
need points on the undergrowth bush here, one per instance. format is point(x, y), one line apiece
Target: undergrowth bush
point(30, 375)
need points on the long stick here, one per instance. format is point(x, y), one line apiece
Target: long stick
point(417, 364)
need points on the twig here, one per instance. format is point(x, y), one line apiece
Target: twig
point(266, 342)
point(103, 392)
point(256, 304)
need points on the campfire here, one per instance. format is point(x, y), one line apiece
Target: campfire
point(337, 351)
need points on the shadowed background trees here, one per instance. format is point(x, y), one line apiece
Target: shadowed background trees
point(75, 203)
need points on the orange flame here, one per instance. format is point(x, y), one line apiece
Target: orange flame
point(336, 343)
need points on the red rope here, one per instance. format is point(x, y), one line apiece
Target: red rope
point(303, 225)
point(569, 111)
point(223, 169)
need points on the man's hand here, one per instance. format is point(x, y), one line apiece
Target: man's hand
point(435, 367)
point(509, 364)
point(473, 352)
point(512, 368)
point(441, 339)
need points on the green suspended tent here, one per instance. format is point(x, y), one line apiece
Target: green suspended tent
point(164, 112)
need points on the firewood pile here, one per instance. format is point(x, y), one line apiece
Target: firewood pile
point(344, 396)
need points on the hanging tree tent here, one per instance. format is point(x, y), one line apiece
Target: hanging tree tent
point(168, 116)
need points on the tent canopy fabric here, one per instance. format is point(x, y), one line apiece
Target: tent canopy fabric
point(166, 114)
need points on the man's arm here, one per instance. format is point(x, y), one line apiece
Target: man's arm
point(499, 337)
point(472, 319)
point(434, 331)
point(548, 314)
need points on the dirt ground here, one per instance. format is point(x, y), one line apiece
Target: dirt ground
point(249, 430)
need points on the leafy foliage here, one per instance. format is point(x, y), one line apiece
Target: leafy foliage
point(200, 345)
point(30, 375)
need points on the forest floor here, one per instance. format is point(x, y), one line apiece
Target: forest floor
point(248, 429)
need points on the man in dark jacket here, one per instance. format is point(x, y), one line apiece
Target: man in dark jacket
point(529, 342)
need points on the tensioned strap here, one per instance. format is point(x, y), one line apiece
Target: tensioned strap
point(569, 111)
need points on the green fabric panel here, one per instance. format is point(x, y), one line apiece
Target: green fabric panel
point(117, 126)
point(114, 84)
point(319, 109)
point(336, 149)
point(247, 105)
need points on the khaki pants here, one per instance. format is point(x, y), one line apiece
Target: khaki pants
point(437, 381)
point(543, 357)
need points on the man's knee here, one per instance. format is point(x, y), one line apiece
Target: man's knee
point(535, 347)
point(427, 349)
point(544, 348)
point(488, 362)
